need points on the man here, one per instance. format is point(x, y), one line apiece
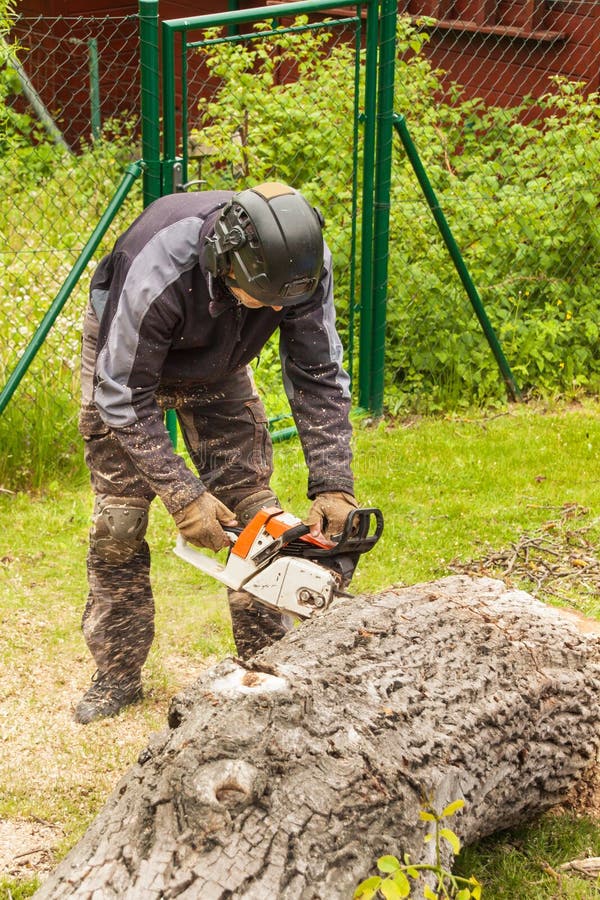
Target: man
point(187, 298)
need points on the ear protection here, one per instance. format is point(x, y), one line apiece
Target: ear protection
point(217, 248)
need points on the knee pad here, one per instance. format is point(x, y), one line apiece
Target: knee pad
point(118, 528)
point(249, 506)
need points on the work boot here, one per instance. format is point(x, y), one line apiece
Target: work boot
point(107, 695)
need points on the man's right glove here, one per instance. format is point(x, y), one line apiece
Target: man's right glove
point(201, 520)
point(329, 512)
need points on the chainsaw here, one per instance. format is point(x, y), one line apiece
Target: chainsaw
point(276, 559)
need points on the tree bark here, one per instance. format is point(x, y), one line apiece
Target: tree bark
point(288, 776)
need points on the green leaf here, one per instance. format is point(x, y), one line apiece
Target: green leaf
point(426, 816)
point(429, 894)
point(402, 883)
point(387, 864)
point(391, 891)
point(452, 839)
point(465, 894)
point(367, 889)
point(452, 808)
point(428, 837)
point(476, 890)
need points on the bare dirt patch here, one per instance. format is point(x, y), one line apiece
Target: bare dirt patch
point(47, 760)
point(27, 847)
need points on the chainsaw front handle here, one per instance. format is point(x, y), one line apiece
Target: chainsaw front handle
point(362, 529)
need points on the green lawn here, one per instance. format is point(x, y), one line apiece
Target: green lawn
point(451, 490)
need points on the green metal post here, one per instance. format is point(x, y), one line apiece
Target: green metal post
point(169, 160)
point(132, 172)
point(284, 434)
point(459, 263)
point(366, 278)
point(150, 91)
point(33, 97)
point(254, 14)
point(184, 108)
point(169, 142)
point(94, 88)
point(383, 179)
point(169, 145)
point(169, 99)
point(353, 305)
point(233, 6)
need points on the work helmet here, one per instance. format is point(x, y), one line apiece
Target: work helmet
point(268, 242)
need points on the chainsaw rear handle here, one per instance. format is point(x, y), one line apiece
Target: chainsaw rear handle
point(355, 537)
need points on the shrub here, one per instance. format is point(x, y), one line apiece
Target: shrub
point(518, 188)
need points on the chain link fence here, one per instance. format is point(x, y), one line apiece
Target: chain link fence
point(500, 100)
point(281, 101)
point(69, 92)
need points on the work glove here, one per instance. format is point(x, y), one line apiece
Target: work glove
point(201, 521)
point(329, 512)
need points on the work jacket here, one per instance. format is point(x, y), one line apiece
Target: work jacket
point(167, 326)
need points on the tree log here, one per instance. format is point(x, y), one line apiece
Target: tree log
point(288, 776)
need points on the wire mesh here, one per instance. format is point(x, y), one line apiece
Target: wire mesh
point(69, 92)
point(501, 100)
point(281, 102)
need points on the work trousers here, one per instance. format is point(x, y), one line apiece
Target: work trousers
point(225, 432)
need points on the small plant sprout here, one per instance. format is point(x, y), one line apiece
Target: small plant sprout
point(394, 880)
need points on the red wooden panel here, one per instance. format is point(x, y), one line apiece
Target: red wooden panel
point(516, 72)
point(439, 9)
point(482, 12)
point(500, 69)
point(169, 9)
point(522, 13)
point(582, 29)
point(75, 8)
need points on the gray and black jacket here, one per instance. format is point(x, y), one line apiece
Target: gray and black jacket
point(166, 326)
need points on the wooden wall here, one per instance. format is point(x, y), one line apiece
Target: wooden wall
point(500, 50)
point(55, 34)
point(503, 50)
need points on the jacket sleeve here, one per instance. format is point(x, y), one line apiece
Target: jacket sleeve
point(317, 388)
point(135, 337)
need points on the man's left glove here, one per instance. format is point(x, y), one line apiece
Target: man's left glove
point(201, 521)
point(329, 512)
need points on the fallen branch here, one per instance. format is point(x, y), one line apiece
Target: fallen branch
point(558, 560)
point(588, 867)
